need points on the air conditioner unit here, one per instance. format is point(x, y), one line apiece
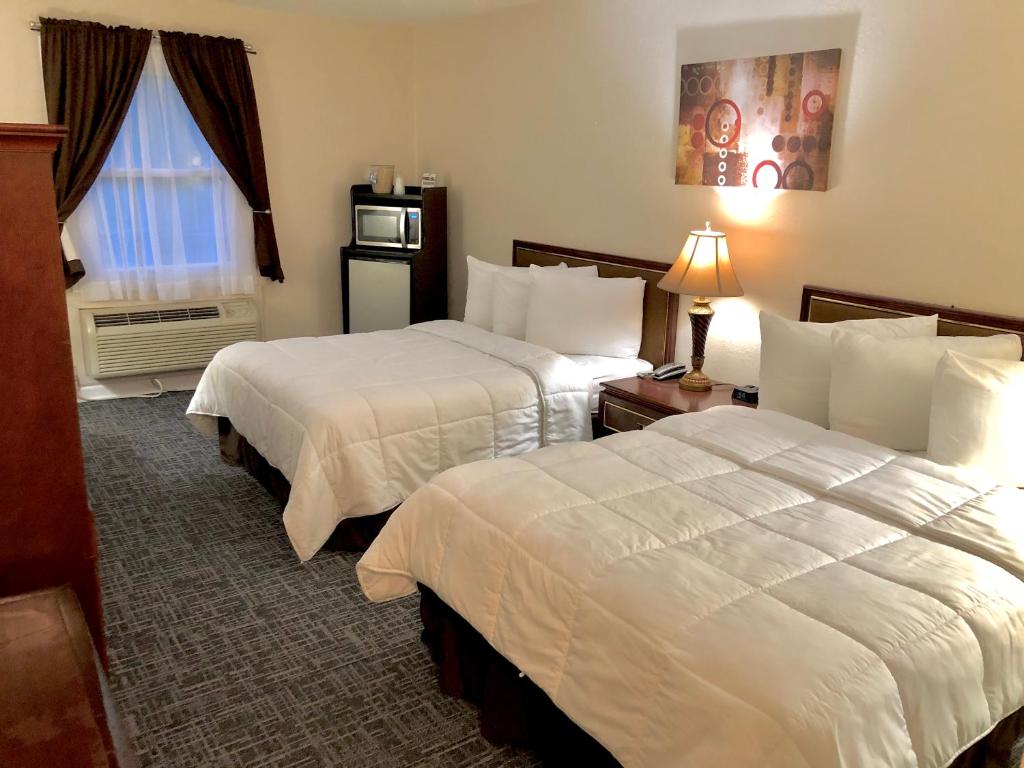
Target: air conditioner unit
point(126, 341)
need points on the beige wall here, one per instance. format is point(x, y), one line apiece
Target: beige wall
point(555, 122)
point(333, 97)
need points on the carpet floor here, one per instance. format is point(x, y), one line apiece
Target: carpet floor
point(224, 649)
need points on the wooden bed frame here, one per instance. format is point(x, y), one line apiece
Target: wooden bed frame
point(828, 305)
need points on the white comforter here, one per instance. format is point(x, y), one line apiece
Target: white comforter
point(356, 423)
point(734, 588)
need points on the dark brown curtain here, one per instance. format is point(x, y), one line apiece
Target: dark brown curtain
point(90, 73)
point(213, 76)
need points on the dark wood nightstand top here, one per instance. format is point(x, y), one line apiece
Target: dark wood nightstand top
point(666, 396)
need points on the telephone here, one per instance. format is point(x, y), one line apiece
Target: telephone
point(668, 372)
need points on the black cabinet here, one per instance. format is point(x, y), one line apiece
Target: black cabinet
point(383, 288)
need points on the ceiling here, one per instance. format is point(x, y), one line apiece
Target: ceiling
point(388, 10)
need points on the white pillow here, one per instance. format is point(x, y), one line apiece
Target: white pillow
point(479, 292)
point(512, 296)
point(480, 289)
point(796, 360)
point(591, 316)
point(882, 388)
point(977, 416)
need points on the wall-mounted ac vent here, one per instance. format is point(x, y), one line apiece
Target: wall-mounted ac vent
point(165, 337)
point(140, 317)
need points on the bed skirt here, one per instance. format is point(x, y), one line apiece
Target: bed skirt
point(354, 534)
point(515, 711)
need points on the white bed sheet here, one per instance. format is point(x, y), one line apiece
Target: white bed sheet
point(600, 369)
point(734, 587)
point(358, 422)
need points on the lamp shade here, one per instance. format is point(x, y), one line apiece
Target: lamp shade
point(703, 267)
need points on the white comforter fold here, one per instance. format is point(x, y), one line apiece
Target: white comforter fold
point(734, 588)
point(358, 422)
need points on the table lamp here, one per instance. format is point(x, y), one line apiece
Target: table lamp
point(703, 270)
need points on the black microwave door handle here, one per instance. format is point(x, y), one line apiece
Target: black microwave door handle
point(404, 228)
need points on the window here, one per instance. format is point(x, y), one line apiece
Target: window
point(164, 220)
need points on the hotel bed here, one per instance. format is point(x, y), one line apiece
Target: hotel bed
point(734, 587)
point(344, 428)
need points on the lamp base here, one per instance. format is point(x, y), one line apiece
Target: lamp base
point(695, 380)
point(700, 319)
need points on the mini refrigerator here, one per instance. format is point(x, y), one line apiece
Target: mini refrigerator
point(379, 291)
point(386, 288)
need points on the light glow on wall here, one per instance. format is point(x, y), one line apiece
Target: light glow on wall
point(736, 320)
point(746, 205)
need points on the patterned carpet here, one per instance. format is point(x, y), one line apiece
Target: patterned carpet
point(224, 649)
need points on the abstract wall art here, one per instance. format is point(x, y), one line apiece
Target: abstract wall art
point(764, 122)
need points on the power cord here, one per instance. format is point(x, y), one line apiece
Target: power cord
point(159, 390)
point(146, 396)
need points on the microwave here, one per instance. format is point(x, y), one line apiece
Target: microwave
point(385, 226)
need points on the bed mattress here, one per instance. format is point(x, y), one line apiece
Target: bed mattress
point(735, 587)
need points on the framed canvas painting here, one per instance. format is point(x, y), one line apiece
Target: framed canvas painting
point(762, 122)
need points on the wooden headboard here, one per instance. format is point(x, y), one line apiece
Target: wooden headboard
point(661, 309)
point(826, 305)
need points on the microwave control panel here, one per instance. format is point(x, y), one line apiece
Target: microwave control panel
point(414, 228)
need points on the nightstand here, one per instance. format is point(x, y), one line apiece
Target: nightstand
point(634, 403)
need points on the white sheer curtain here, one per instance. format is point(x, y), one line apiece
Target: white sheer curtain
point(164, 220)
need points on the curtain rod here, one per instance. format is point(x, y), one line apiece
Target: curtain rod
point(35, 26)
